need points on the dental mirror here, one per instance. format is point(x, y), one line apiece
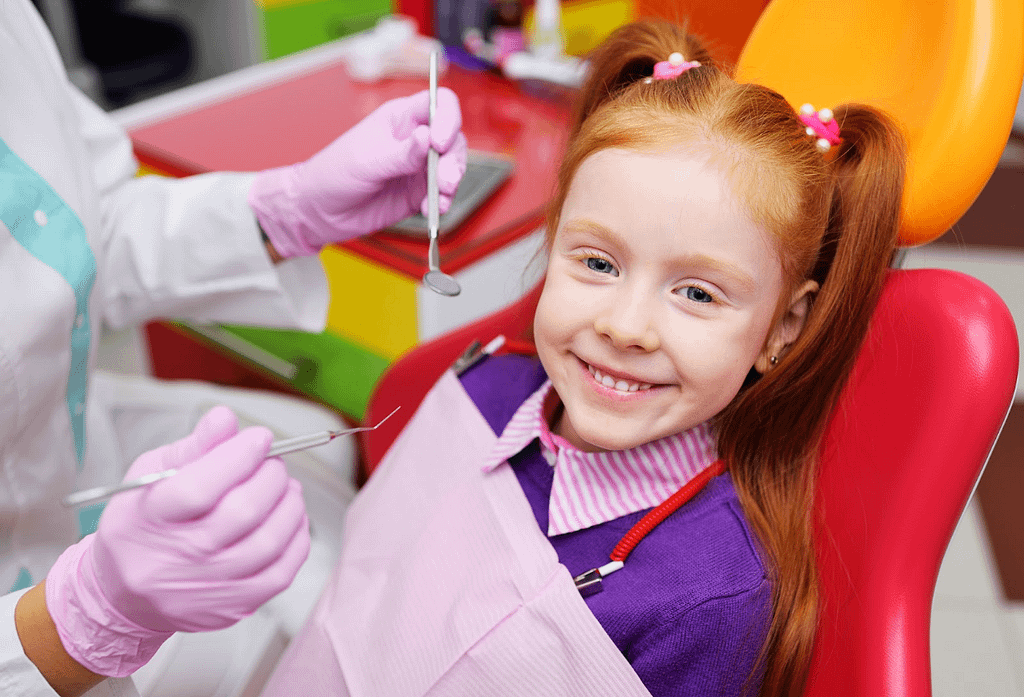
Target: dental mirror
point(435, 279)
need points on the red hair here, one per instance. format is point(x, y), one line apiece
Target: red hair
point(833, 219)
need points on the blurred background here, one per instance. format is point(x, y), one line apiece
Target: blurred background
point(121, 51)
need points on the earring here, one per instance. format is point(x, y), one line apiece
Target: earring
point(774, 360)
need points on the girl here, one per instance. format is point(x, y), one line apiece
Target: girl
point(712, 268)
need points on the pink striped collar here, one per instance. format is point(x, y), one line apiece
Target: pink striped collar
point(593, 488)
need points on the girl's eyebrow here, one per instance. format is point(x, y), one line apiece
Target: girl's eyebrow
point(732, 272)
point(586, 225)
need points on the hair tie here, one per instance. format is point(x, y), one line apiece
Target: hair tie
point(820, 125)
point(675, 66)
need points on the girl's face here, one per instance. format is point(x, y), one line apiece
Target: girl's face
point(659, 298)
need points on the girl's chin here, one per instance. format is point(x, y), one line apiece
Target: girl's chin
point(594, 440)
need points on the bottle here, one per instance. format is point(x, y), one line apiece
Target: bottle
point(547, 40)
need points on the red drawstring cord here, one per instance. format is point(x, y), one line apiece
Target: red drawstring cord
point(664, 510)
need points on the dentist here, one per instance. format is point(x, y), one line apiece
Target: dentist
point(86, 246)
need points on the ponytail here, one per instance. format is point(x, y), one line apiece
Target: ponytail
point(771, 433)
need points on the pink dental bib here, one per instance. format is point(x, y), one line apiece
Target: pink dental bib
point(446, 585)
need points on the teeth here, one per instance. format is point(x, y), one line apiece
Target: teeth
point(620, 385)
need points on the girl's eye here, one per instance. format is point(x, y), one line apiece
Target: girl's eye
point(601, 265)
point(698, 295)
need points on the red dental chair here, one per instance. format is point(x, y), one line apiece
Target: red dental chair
point(934, 381)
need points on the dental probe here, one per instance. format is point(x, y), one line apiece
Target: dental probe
point(281, 447)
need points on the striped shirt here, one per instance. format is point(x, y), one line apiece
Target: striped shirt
point(592, 488)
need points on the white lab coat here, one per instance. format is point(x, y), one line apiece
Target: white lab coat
point(145, 248)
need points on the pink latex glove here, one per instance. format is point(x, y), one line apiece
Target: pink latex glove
point(373, 175)
point(197, 551)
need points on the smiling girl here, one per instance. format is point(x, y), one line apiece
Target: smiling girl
point(632, 514)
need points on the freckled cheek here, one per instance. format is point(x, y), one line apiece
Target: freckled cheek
point(564, 307)
point(718, 360)
point(552, 326)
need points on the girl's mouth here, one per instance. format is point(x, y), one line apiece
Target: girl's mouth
point(616, 387)
point(617, 384)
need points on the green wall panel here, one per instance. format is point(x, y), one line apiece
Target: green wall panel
point(294, 27)
point(330, 368)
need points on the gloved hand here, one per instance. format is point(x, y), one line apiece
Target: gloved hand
point(373, 175)
point(197, 551)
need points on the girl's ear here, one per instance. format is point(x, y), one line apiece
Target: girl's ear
point(788, 328)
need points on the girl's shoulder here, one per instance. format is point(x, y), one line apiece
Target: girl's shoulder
point(498, 385)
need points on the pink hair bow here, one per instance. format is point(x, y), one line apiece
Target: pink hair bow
point(820, 125)
point(675, 66)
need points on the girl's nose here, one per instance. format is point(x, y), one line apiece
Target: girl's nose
point(628, 324)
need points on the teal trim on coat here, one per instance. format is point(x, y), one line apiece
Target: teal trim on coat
point(89, 518)
point(24, 580)
point(51, 232)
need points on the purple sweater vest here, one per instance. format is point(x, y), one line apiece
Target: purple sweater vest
point(691, 607)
